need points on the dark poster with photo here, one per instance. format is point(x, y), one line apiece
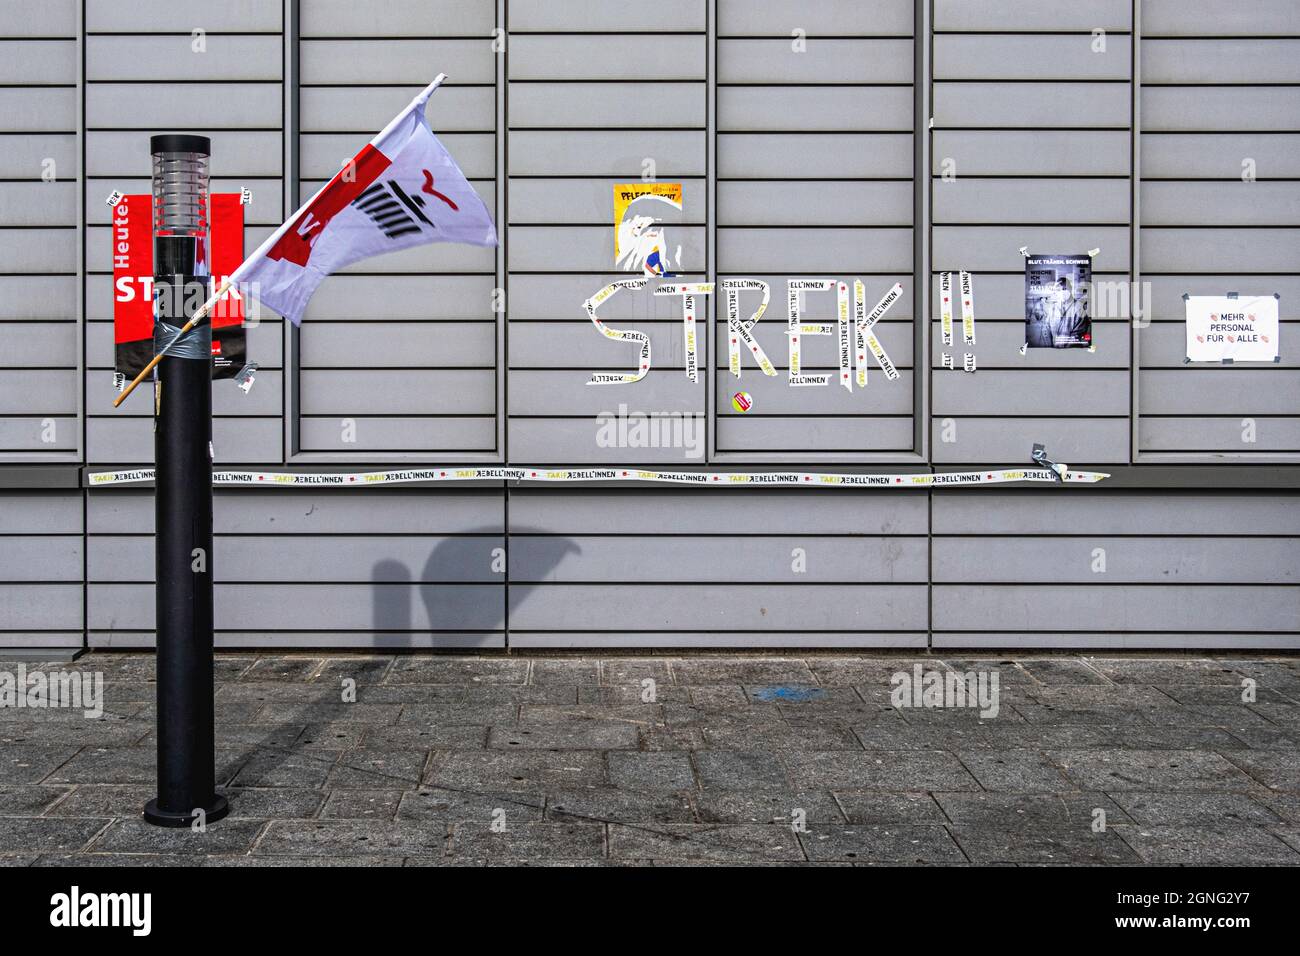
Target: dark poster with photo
point(1058, 314)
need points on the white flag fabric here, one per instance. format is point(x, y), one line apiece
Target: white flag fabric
point(403, 189)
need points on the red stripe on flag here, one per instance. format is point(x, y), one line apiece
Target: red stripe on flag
point(295, 245)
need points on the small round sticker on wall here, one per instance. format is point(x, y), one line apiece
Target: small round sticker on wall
point(742, 401)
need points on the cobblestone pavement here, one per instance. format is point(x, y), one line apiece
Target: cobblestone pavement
point(617, 760)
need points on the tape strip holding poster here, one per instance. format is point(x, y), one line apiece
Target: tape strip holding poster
point(1061, 473)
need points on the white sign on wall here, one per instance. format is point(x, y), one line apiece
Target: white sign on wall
point(1239, 328)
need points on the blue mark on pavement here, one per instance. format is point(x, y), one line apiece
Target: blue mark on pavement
point(789, 693)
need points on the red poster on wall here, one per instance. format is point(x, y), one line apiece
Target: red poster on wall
point(133, 285)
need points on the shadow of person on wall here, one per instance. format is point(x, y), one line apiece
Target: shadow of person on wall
point(459, 582)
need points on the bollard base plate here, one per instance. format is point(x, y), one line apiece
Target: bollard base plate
point(217, 809)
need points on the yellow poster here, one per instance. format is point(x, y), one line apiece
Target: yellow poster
point(639, 241)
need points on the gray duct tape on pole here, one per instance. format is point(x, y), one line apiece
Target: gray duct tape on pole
point(195, 344)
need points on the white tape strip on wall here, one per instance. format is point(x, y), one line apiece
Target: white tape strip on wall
point(524, 473)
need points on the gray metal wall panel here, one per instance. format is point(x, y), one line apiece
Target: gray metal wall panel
point(817, 198)
point(40, 353)
point(1218, 214)
point(41, 565)
point(1028, 101)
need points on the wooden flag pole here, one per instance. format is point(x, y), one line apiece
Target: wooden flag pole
point(198, 316)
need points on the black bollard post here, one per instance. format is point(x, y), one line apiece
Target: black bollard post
point(183, 489)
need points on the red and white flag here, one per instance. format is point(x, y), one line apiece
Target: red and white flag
point(403, 189)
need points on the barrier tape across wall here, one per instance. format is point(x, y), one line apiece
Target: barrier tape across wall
point(1062, 474)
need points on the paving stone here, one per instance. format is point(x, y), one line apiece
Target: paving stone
point(285, 713)
point(225, 667)
point(458, 670)
point(1000, 811)
point(572, 735)
point(1282, 715)
point(520, 770)
point(783, 735)
point(135, 836)
point(1056, 671)
point(740, 770)
point(296, 862)
point(105, 800)
point(958, 716)
point(722, 697)
point(902, 736)
point(363, 670)
point(1010, 674)
point(886, 844)
point(882, 807)
point(28, 801)
point(1147, 770)
point(281, 768)
point(1212, 809)
point(116, 860)
point(431, 737)
point(660, 737)
point(330, 736)
point(565, 671)
point(1290, 835)
point(47, 834)
point(799, 699)
point(1018, 771)
point(767, 806)
point(732, 844)
point(613, 805)
point(1223, 695)
point(733, 670)
point(362, 804)
point(1275, 769)
point(695, 715)
point(878, 770)
point(1285, 805)
point(631, 671)
point(119, 692)
point(529, 841)
point(449, 714)
point(1206, 846)
point(131, 765)
point(522, 693)
point(32, 763)
point(1170, 738)
point(1268, 737)
point(348, 838)
point(104, 733)
point(633, 713)
point(270, 692)
point(468, 806)
point(1044, 844)
point(296, 669)
point(50, 716)
point(279, 803)
point(1107, 715)
point(1165, 671)
point(875, 673)
point(1228, 716)
point(662, 770)
point(616, 694)
point(371, 769)
point(1084, 696)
